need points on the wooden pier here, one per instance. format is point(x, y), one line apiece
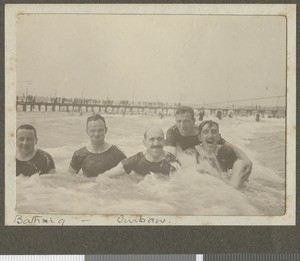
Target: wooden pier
point(140, 108)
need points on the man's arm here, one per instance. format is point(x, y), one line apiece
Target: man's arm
point(240, 173)
point(116, 171)
point(247, 166)
point(49, 163)
point(75, 164)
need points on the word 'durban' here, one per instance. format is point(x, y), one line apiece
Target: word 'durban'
point(141, 219)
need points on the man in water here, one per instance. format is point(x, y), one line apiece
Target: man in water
point(222, 157)
point(98, 156)
point(219, 114)
point(257, 117)
point(153, 160)
point(29, 159)
point(201, 114)
point(184, 134)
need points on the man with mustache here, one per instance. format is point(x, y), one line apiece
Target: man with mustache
point(153, 160)
point(29, 159)
point(222, 157)
point(184, 134)
point(98, 156)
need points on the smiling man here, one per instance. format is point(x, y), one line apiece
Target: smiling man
point(222, 157)
point(98, 156)
point(153, 160)
point(29, 159)
point(184, 134)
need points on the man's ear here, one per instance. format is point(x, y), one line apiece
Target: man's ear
point(36, 140)
point(219, 137)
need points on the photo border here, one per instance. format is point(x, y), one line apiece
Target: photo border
point(13, 218)
point(193, 239)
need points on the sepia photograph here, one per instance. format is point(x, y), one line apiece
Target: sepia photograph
point(142, 114)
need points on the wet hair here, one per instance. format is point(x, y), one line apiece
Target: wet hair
point(185, 109)
point(210, 123)
point(95, 117)
point(27, 127)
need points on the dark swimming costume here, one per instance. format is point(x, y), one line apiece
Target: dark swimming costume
point(41, 163)
point(93, 164)
point(140, 165)
point(174, 139)
point(226, 157)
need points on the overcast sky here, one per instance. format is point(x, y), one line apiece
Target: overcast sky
point(192, 58)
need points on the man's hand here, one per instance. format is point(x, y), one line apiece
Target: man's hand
point(246, 170)
point(240, 173)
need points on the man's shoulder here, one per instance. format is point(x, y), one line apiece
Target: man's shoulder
point(173, 128)
point(117, 149)
point(131, 162)
point(173, 131)
point(42, 153)
point(135, 157)
point(44, 160)
point(225, 150)
point(81, 151)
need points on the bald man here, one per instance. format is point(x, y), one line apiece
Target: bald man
point(153, 160)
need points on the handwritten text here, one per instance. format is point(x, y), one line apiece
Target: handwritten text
point(140, 220)
point(38, 220)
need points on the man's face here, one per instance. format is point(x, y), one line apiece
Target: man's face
point(154, 142)
point(96, 131)
point(26, 141)
point(185, 124)
point(209, 136)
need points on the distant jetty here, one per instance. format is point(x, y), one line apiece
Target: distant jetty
point(33, 103)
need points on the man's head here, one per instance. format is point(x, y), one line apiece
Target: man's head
point(26, 139)
point(209, 134)
point(154, 141)
point(185, 120)
point(96, 128)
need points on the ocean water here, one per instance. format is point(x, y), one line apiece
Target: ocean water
point(187, 192)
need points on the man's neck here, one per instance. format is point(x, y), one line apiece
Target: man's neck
point(25, 157)
point(97, 147)
point(154, 159)
point(193, 132)
point(212, 150)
